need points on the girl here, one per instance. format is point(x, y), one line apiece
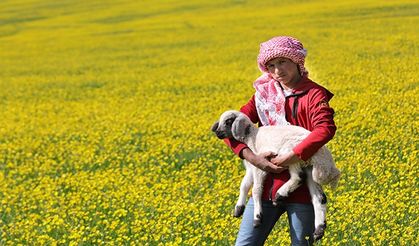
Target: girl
point(284, 95)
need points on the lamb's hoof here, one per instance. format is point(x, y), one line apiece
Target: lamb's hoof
point(319, 232)
point(238, 211)
point(258, 221)
point(278, 200)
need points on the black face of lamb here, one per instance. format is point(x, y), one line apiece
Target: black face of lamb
point(224, 130)
point(229, 122)
point(217, 131)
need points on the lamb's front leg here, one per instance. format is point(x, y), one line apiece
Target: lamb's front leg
point(319, 201)
point(258, 180)
point(245, 185)
point(297, 178)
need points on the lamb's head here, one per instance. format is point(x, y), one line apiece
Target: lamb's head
point(234, 124)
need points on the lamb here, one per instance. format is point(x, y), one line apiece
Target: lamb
point(319, 170)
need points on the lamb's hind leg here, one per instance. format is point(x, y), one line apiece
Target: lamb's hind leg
point(244, 190)
point(258, 180)
point(297, 178)
point(319, 201)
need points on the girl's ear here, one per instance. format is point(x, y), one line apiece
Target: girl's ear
point(239, 129)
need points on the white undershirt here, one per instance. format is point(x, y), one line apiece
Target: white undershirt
point(287, 92)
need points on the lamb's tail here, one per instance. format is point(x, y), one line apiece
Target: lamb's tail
point(325, 171)
point(327, 177)
point(335, 180)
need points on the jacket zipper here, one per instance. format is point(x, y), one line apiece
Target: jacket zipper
point(295, 106)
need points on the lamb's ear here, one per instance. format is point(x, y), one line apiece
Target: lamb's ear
point(215, 126)
point(240, 128)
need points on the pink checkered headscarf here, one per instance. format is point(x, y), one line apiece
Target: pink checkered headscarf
point(282, 46)
point(269, 97)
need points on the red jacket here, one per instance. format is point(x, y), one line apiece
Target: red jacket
point(307, 107)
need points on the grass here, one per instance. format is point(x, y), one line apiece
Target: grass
point(106, 109)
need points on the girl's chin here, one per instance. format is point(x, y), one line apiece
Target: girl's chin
point(282, 80)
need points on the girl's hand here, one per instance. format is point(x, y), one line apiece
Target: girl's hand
point(262, 161)
point(286, 159)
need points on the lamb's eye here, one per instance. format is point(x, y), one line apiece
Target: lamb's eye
point(229, 122)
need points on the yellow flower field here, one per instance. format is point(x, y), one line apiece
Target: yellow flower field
point(106, 109)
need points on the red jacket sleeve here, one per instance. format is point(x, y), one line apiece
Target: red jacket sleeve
point(323, 125)
point(248, 109)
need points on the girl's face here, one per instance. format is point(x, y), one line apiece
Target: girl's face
point(283, 70)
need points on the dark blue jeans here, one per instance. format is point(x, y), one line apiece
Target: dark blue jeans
point(300, 217)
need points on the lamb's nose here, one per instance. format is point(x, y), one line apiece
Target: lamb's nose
point(215, 127)
point(220, 135)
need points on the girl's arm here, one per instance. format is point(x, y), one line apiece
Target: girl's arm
point(324, 128)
